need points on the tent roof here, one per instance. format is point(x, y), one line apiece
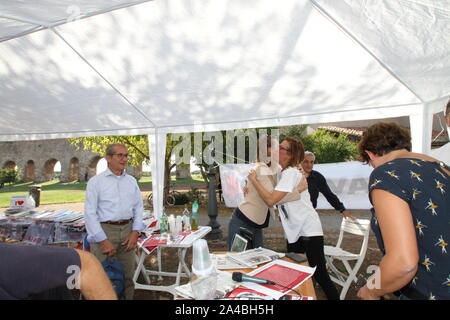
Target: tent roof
point(181, 66)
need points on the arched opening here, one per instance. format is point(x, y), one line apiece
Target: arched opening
point(91, 169)
point(30, 171)
point(102, 164)
point(74, 169)
point(51, 171)
point(9, 165)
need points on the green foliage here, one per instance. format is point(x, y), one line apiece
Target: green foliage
point(137, 146)
point(9, 175)
point(298, 132)
point(327, 147)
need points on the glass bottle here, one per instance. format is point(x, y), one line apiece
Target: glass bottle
point(186, 219)
point(163, 223)
point(194, 225)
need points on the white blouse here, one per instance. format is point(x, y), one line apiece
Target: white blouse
point(302, 219)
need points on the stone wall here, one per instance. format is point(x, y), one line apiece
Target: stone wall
point(37, 159)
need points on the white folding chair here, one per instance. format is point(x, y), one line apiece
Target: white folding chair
point(360, 227)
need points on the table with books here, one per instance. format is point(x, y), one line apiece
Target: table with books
point(43, 227)
point(155, 243)
point(293, 279)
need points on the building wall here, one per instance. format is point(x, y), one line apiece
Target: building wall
point(36, 160)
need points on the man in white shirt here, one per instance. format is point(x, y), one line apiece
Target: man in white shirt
point(113, 213)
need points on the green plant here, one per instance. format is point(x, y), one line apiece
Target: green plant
point(328, 148)
point(9, 175)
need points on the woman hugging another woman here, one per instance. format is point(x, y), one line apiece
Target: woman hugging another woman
point(301, 223)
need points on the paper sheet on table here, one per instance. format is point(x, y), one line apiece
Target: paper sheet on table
point(225, 284)
point(224, 262)
point(288, 274)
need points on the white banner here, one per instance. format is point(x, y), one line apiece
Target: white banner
point(348, 180)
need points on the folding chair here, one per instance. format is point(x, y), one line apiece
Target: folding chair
point(360, 227)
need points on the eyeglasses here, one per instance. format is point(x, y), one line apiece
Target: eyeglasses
point(122, 155)
point(284, 148)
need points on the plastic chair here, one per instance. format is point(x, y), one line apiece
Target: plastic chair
point(360, 227)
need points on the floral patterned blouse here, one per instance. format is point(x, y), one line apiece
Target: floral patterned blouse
point(426, 189)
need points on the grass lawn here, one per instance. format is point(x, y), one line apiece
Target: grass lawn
point(61, 192)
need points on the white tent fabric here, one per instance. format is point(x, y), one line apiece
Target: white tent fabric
point(88, 68)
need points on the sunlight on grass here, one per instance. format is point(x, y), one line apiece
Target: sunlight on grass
point(73, 191)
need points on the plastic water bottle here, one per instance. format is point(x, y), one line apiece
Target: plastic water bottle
point(186, 220)
point(163, 223)
point(194, 225)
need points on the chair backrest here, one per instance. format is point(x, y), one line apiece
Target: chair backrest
point(359, 227)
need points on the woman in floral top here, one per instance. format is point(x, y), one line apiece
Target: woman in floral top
point(410, 193)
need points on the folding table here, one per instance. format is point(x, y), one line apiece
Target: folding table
point(183, 270)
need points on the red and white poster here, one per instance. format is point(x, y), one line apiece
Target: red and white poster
point(286, 275)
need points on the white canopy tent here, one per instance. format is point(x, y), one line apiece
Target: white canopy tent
point(102, 67)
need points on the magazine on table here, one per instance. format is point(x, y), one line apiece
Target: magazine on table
point(249, 294)
point(225, 284)
point(150, 243)
point(286, 275)
point(253, 257)
point(224, 262)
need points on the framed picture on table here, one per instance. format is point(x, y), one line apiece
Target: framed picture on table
point(239, 244)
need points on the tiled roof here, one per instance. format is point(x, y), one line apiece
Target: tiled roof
point(442, 137)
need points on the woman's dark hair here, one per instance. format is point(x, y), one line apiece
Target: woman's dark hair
point(382, 138)
point(297, 151)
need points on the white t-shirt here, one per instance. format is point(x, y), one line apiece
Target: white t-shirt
point(303, 220)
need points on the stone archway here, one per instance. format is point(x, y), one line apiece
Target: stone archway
point(30, 171)
point(9, 165)
point(48, 171)
point(91, 170)
point(74, 169)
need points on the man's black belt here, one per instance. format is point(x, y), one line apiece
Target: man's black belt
point(119, 222)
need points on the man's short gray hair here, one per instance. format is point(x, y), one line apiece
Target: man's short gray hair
point(309, 153)
point(111, 148)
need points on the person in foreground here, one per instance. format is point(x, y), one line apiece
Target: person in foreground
point(253, 213)
point(38, 273)
point(317, 183)
point(113, 213)
point(410, 193)
point(300, 221)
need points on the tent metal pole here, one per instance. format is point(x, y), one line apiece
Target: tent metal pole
point(43, 24)
point(281, 118)
point(47, 25)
